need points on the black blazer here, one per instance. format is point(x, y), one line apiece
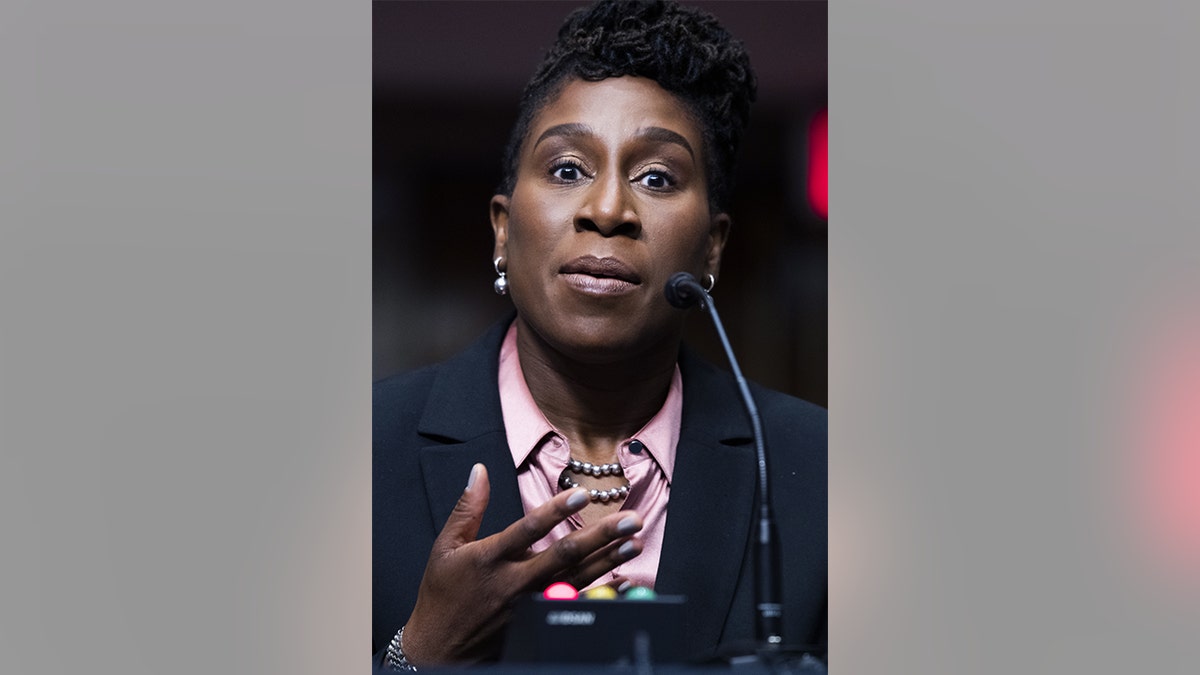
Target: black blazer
point(432, 425)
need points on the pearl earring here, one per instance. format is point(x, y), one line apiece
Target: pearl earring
point(501, 283)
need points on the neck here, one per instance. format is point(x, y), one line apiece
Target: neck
point(595, 405)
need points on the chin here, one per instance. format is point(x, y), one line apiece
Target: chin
point(599, 341)
point(609, 338)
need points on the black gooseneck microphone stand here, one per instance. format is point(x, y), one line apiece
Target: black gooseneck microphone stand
point(683, 291)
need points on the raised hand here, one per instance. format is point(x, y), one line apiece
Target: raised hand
point(469, 585)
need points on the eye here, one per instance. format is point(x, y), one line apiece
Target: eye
point(566, 172)
point(656, 180)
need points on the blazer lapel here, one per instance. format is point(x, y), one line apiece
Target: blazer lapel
point(712, 494)
point(446, 468)
point(464, 424)
point(708, 525)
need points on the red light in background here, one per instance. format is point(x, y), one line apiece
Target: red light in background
point(818, 164)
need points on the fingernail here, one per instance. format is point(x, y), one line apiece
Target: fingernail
point(577, 500)
point(473, 476)
point(624, 584)
point(628, 525)
point(626, 550)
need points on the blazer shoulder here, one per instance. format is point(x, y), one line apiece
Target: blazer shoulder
point(713, 393)
point(778, 405)
point(797, 437)
point(401, 398)
point(455, 399)
point(404, 383)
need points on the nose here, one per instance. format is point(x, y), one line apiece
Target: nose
point(609, 208)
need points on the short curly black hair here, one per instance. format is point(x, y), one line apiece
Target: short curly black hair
point(685, 50)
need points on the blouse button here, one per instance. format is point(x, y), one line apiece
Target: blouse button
point(636, 446)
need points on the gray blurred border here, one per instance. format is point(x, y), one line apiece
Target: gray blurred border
point(185, 350)
point(185, 344)
point(1012, 189)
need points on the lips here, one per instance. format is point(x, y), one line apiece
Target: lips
point(600, 277)
point(601, 268)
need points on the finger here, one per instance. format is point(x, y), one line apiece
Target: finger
point(578, 546)
point(516, 539)
point(620, 583)
point(463, 524)
point(602, 562)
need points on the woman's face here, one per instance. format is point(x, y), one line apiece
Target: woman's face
point(610, 201)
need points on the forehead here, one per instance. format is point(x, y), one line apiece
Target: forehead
point(616, 108)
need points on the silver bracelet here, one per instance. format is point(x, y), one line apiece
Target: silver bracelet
point(395, 655)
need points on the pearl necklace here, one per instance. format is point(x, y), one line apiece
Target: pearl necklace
point(597, 470)
point(565, 482)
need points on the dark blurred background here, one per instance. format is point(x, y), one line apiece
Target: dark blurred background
point(447, 79)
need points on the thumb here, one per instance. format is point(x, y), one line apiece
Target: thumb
point(463, 524)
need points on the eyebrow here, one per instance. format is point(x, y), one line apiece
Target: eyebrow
point(658, 134)
point(662, 135)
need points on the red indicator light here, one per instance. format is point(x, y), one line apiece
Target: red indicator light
point(560, 591)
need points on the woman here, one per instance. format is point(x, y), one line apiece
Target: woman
point(617, 177)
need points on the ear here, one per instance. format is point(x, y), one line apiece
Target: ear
point(718, 234)
point(500, 226)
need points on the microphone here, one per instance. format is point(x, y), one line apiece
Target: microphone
point(683, 291)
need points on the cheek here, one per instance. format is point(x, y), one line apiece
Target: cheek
point(530, 246)
point(533, 241)
point(690, 247)
point(523, 238)
point(536, 221)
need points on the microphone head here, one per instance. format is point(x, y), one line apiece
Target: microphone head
point(683, 291)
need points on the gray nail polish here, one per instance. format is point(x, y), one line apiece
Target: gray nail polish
point(471, 478)
point(628, 525)
point(577, 500)
point(626, 549)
